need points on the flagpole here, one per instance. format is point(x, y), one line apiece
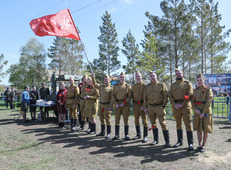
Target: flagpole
point(86, 55)
point(80, 40)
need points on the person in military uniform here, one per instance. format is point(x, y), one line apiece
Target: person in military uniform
point(155, 100)
point(203, 118)
point(82, 103)
point(121, 96)
point(91, 96)
point(180, 95)
point(43, 92)
point(34, 96)
point(105, 92)
point(7, 96)
point(138, 109)
point(61, 101)
point(12, 98)
point(72, 100)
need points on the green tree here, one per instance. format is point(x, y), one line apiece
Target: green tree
point(31, 69)
point(66, 52)
point(108, 47)
point(131, 51)
point(2, 64)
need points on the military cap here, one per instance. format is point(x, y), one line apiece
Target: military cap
point(176, 69)
point(122, 73)
point(106, 75)
point(200, 75)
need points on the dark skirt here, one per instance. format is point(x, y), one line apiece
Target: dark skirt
point(24, 106)
point(33, 108)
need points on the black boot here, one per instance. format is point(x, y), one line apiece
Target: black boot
point(190, 140)
point(82, 125)
point(138, 134)
point(93, 129)
point(108, 132)
point(126, 129)
point(74, 125)
point(179, 138)
point(102, 133)
point(166, 138)
point(117, 133)
point(60, 125)
point(156, 136)
point(145, 135)
point(89, 128)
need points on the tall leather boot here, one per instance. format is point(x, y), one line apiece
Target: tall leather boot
point(166, 138)
point(74, 125)
point(89, 128)
point(156, 136)
point(145, 135)
point(138, 134)
point(72, 121)
point(93, 129)
point(108, 132)
point(102, 133)
point(190, 140)
point(117, 132)
point(126, 129)
point(82, 125)
point(179, 138)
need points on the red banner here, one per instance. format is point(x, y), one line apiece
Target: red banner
point(60, 24)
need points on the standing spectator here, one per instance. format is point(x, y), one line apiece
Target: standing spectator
point(34, 96)
point(43, 92)
point(12, 98)
point(61, 100)
point(7, 96)
point(24, 102)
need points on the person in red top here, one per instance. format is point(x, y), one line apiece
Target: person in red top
point(60, 100)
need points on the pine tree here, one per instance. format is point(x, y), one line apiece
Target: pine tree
point(108, 47)
point(131, 51)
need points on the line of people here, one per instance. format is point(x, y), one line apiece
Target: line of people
point(149, 101)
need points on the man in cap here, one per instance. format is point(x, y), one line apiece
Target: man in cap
point(155, 100)
point(105, 92)
point(43, 92)
point(121, 96)
point(72, 100)
point(180, 95)
point(7, 96)
point(138, 109)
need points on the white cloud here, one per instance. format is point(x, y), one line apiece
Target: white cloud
point(112, 10)
point(128, 1)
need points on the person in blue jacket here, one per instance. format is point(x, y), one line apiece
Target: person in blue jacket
point(24, 103)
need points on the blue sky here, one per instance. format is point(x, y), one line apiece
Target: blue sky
point(15, 16)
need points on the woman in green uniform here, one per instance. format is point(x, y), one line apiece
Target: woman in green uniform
point(203, 118)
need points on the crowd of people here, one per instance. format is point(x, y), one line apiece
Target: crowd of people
point(148, 101)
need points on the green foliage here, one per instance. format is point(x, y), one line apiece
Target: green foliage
point(66, 52)
point(2, 64)
point(31, 68)
point(108, 47)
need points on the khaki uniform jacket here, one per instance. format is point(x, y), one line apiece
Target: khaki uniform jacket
point(72, 95)
point(121, 92)
point(202, 99)
point(155, 94)
point(91, 104)
point(179, 90)
point(82, 93)
point(105, 92)
point(138, 92)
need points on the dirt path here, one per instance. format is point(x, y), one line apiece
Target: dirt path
point(37, 145)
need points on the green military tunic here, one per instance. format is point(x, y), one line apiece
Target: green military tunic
point(181, 92)
point(72, 100)
point(91, 104)
point(105, 92)
point(137, 98)
point(121, 93)
point(201, 100)
point(155, 99)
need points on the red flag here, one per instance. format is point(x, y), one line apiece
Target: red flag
point(60, 24)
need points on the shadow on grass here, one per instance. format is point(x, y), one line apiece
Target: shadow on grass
point(119, 148)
